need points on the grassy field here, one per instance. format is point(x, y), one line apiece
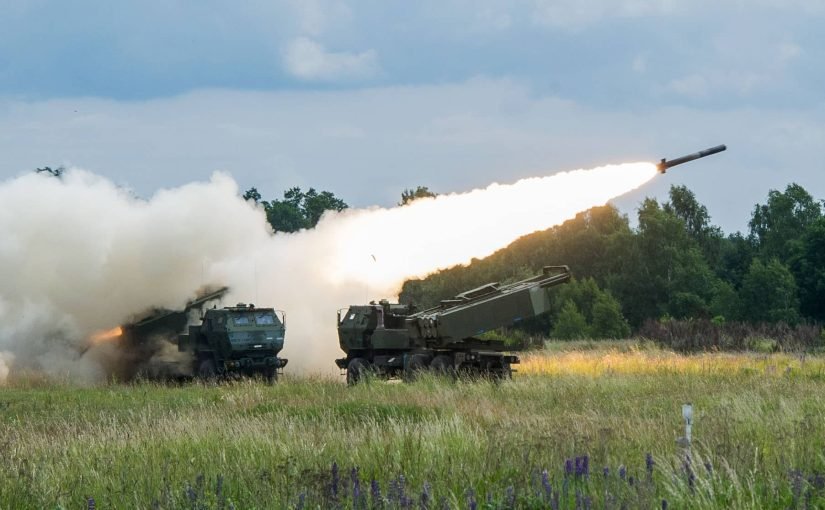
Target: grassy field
point(580, 426)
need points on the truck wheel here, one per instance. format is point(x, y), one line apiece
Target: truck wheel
point(356, 370)
point(416, 365)
point(271, 375)
point(442, 365)
point(206, 370)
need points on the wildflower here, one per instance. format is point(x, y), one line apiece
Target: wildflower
point(664, 504)
point(622, 472)
point(356, 487)
point(90, 503)
point(471, 499)
point(402, 498)
point(425, 496)
point(375, 491)
point(631, 481)
point(219, 492)
point(545, 482)
point(510, 497)
point(568, 467)
point(709, 468)
point(649, 463)
point(301, 501)
point(586, 465)
point(335, 480)
point(606, 471)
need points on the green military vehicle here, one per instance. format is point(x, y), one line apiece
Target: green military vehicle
point(393, 340)
point(236, 340)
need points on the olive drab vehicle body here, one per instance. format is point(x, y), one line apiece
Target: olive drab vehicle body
point(240, 339)
point(394, 340)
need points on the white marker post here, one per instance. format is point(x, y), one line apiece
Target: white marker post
point(687, 414)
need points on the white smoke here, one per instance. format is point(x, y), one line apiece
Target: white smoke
point(79, 255)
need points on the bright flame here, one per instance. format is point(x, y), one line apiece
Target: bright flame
point(385, 246)
point(108, 335)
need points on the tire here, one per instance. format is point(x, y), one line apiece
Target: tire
point(206, 370)
point(416, 365)
point(442, 365)
point(271, 375)
point(357, 370)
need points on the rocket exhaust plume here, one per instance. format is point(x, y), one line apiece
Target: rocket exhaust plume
point(80, 256)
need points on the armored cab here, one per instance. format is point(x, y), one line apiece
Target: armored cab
point(394, 340)
point(240, 339)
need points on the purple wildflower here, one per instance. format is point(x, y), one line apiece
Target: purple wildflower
point(510, 497)
point(664, 504)
point(471, 499)
point(375, 491)
point(335, 480)
point(301, 501)
point(219, 492)
point(649, 463)
point(425, 496)
point(356, 487)
point(606, 471)
point(568, 467)
point(631, 481)
point(622, 472)
point(545, 482)
point(90, 503)
point(586, 465)
point(402, 497)
point(817, 481)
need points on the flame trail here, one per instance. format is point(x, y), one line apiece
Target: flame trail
point(108, 335)
point(79, 255)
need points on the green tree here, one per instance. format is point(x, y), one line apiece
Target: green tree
point(570, 323)
point(608, 321)
point(769, 293)
point(297, 210)
point(808, 266)
point(725, 302)
point(409, 195)
point(684, 206)
point(776, 226)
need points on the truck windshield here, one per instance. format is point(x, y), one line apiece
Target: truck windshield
point(258, 337)
point(265, 318)
point(259, 318)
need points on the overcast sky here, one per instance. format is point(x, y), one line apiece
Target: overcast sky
point(367, 98)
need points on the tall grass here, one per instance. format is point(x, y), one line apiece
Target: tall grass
point(759, 434)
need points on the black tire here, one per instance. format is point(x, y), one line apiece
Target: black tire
point(417, 364)
point(442, 365)
point(271, 375)
point(357, 369)
point(207, 371)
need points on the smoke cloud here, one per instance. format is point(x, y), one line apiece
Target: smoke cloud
point(80, 255)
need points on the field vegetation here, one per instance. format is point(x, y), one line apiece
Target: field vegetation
point(582, 425)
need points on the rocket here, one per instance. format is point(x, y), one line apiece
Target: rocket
point(663, 165)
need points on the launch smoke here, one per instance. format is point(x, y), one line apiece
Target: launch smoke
point(79, 255)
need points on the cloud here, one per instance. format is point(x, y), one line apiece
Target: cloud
point(368, 145)
point(307, 59)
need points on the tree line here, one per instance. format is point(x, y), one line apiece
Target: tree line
point(675, 264)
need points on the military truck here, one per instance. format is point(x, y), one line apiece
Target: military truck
point(394, 340)
point(236, 340)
